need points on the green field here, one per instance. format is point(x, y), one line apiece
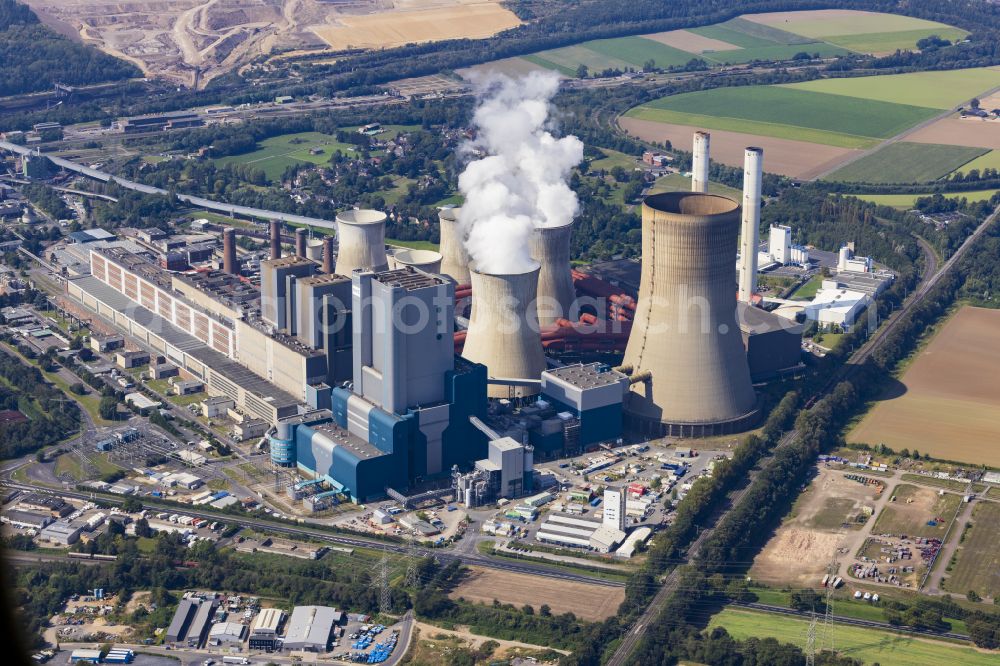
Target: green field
point(612, 159)
point(808, 290)
point(937, 90)
point(677, 182)
point(908, 201)
point(278, 153)
point(978, 564)
point(869, 645)
point(887, 42)
point(777, 52)
point(726, 32)
point(857, 24)
point(990, 160)
point(767, 32)
point(907, 163)
point(638, 50)
point(414, 244)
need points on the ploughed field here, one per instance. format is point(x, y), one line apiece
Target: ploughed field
point(951, 406)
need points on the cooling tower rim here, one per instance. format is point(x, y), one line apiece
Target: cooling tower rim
point(449, 214)
point(415, 257)
point(671, 203)
point(315, 242)
point(554, 227)
point(535, 267)
point(754, 149)
point(362, 217)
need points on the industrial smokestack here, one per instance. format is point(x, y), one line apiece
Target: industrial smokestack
point(753, 160)
point(503, 330)
point(699, 162)
point(300, 243)
point(275, 239)
point(556, 295)
point(361, 234)
point(685, 333)
point(328, 255)
point(454, 257)
point(229, 251)
point(428, 261)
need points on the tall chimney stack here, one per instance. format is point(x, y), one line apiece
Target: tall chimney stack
point(699, 162)
point(229, 264)
point(275, 239)
point(753, 159)
point(300, 243)
point(328, 255)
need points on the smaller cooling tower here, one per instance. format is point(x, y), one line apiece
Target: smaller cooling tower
point(314, 249)
point(275, 239)
point(556, 295)
point(503, 330)
point(685, 340)
point(699, 162)
point(301, 236)
point(428, 261)
point(229, 264)
point(361, 235)
point(454, 258)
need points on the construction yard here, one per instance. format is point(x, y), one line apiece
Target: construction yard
point(950, 408)
point(917, 512)
point(587, 601)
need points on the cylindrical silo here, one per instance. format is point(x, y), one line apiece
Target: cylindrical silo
point(229, 264)
point(753, 172)
point(361, 236)
point(503, 330)
point(428, 261)
point(550, 248)
point(275, 239)
point(314, 249)
point(454, 258)
point(699, 162)
point(328, 261)
point(301, 236)
point(685, 336)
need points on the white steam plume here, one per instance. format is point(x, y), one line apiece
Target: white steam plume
point(521, 183)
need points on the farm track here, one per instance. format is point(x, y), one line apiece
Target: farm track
point(670, 585)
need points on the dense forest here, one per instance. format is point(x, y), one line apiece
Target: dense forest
point(34, 57)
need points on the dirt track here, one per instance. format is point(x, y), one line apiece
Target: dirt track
point(797, 159)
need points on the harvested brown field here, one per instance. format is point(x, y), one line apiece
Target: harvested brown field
point(797, 159)
point(587, 601)
point(454, 20)
point(951, 405)
point(803, 546)
point(510, 66)
point(972, 132)
point(691, 42)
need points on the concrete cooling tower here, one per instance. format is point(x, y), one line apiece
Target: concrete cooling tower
point(700, 162)
point(556, 295)
point(428, 261)
point(314, 249)
point(361, 235)
point(454, 258)
point(503, 330)
point(685, 341)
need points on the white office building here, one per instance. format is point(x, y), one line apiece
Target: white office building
point(614, 508)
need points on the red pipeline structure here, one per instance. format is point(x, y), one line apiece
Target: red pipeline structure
point(608, 333)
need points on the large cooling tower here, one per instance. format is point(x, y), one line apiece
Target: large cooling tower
point(454, 258)
point(428, 261)
point(361, 234)
point(550, 248)
point(753, 159)
point(700, 162)
point(503, 330)
point(685, 336)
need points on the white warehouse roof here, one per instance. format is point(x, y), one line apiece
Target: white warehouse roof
point(309, 628)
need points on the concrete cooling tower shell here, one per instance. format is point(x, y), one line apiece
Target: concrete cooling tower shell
point(685, 335)
point(314, 249)
point(503, 330)
point(361, 236)
point(454, 258)
point(428, 261)
point(556, 295)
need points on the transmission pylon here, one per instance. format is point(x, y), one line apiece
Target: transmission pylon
point(828, 612)
point(412, 554)
point(382, 580)
point(811, 642)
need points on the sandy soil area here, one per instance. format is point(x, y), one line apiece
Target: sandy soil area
point(797, 159)
point(588, 602)
point(951, 404)
point(972, 132)
point(404, 26)
point(691, 42)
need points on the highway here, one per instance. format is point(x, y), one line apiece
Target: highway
point(638, 629)
point(352, 541)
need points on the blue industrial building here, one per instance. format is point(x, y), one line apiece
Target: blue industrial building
point(405, 416)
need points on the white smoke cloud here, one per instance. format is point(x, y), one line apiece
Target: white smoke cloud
point(521, 183)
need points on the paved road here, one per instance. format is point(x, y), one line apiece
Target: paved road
point(638, 630)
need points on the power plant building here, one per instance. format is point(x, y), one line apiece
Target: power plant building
point(592, 394)
point(685, 348)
